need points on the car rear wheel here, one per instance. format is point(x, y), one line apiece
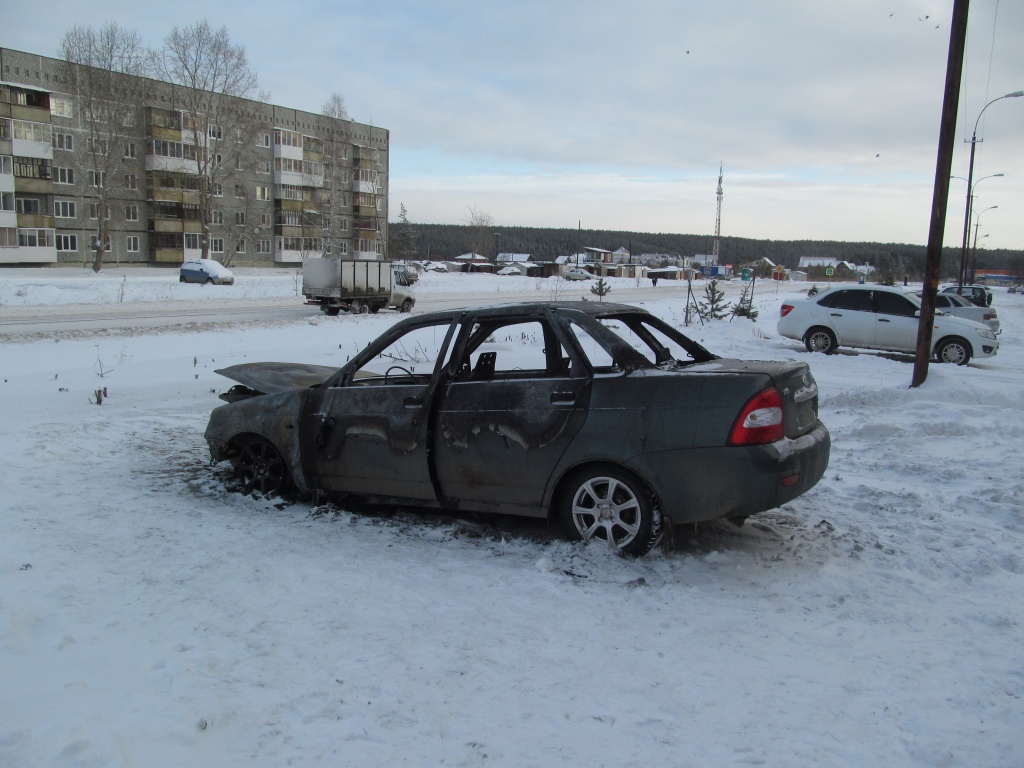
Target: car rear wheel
point(407, 305)
point(820, 340)
point(260, 468)
point(608, 504)
point(955, 351)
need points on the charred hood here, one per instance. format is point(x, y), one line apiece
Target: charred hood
point(270, 378)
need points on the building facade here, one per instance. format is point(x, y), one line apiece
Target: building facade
point(305, 184)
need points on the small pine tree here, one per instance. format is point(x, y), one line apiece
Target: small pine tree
point(713, 307)
point(600, 289)
point(745, 306)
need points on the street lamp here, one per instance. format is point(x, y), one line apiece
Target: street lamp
point(974, 256)
point(970, 176)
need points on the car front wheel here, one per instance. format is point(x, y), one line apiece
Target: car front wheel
point(260, 468)
point(611, 505)
point(955, 351)
point(820, 340)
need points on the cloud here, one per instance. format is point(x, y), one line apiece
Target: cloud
point(826, 115)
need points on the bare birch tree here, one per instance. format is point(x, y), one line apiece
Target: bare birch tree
point(481, 230)
point(211, 79)
point(335, 150)
point(95, 61)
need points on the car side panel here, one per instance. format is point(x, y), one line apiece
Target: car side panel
point(635, 417)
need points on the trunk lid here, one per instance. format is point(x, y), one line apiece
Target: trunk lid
point(794, 382)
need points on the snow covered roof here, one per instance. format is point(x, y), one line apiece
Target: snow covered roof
point(514, 257)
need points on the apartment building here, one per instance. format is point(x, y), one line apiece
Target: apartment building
point(305, 184)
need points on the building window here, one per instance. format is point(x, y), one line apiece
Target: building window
point(8, 237)
point(240, 218)
point(94, 210)
point(192, 240)
point(215, 132)
point(64, 141)
point(63, 175)
point(287, 138)
point(30, 131)
point(133, 243)
point(217, 217)
point(7, 165)
point(266, 139)
point(31, 167)
point(263, 246)
point(28, 205)
point(35, 238)
point(217, 245)
point(239, 190)
point(131, 181)
point(61, 107)
point(96, 178)
point(240, 245)
point(131, 213)
point(263, 220)
point(64, 209)
point(262, 193)
point(218, 189)
point(342, 248)
point(97, 146)
point(263, 166)
point(129, 149)
point(67, 243)
point(218, 159)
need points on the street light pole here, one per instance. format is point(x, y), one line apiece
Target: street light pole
point(974, 256)
point(970, 190)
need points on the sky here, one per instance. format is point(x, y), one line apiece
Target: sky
point(823, 116)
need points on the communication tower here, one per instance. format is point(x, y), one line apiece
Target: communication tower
point(718, 214)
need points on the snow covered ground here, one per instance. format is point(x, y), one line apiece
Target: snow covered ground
point(150, 618)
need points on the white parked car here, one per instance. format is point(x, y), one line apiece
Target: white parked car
point(960, 306)
point(878, 317)
point(576, 273)
point(205, 271)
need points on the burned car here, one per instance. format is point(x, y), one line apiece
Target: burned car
point(600, 416)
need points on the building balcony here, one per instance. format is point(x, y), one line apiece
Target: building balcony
point(166, 225)
point(36, 221)
point(33, 186)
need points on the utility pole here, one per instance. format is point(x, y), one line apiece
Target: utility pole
point(940, 193)
point(718, 215)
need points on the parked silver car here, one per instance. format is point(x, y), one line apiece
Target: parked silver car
point(959, 306)
point(879, 317)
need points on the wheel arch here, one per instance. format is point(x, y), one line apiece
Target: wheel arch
point(560, 485)
point(953, 337)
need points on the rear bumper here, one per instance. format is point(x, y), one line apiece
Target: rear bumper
point(709, 484)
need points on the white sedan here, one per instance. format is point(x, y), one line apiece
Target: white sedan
point(878, 317)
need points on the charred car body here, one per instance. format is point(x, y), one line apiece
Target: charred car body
point(599, 415)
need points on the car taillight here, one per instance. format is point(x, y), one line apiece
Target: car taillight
point(785, 309)
point(760, 421)
point(989, 316)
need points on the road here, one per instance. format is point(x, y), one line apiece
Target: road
point(85, 318)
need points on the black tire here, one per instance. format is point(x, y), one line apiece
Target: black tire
point(361, 309)
point(375, 308)
point(209, 281)
point(181, 279)
point(332, 311)
point(954, 350)
point(260, 468)
point(819, 339)
point(407, 305)
point(606, 503)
